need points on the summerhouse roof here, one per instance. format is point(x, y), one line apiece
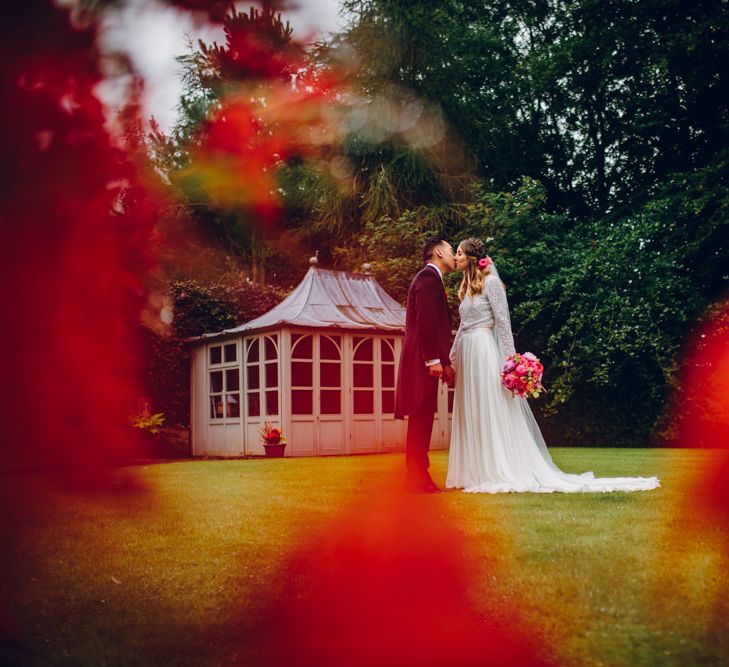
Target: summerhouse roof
point(330, 299)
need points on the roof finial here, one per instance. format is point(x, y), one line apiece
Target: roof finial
point(367, 268)
point(313, 261)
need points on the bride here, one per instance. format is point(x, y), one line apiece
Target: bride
point(496, 445)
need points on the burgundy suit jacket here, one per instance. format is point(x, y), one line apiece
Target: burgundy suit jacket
point(427, 336)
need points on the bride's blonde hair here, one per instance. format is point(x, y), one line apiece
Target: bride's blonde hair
point(473, 275)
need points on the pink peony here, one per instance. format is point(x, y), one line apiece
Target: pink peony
point(522, 375)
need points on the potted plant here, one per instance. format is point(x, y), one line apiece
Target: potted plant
point(274, 442)
point(148, 426)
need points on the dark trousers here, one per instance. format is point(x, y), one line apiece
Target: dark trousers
point(417, 443)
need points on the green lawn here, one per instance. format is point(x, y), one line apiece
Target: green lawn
point(178, 568)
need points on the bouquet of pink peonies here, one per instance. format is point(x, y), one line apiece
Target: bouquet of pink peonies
point(522, 375)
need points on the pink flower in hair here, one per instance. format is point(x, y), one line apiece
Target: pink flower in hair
point(484, 263)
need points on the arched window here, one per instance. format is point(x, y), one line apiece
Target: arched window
point(302, 374)
point(387, 375)
point(253, 377)
point(224, 376)
point(270, 347)
point(261, 370)
point(330, 375)
point(363, 376)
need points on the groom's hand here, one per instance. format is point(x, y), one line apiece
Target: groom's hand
point(449, 376)
point(435, 370)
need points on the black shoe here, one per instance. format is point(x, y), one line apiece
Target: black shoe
point(431, 487)
point(421, 485)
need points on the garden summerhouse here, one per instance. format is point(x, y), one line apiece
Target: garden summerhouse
point(322, 365)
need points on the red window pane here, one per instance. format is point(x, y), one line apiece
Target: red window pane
point(232, 405)
point(216, 407)
point(388, 375)
point(271, 375)
point(363, 349)
point(330, 402)
point(232, 380)
point(270, 349)
point(301, 402)
point(254, 404)
point(253, 355)
point(387, 349)
point(301, 346)
point(388, 402)
point(216, 355)
point(331, 375)
point(271, 403)
point(230, 352)
point(363, 402)
point(302, 374)
point(363, 375)
point(329, 347)
point(254, 380)
point(216, 381)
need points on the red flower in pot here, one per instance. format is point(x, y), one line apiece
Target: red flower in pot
point(273, 438)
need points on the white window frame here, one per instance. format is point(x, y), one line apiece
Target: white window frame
point(262, 363)
point(223, 367)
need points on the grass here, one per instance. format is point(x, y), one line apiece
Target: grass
point(162, 573)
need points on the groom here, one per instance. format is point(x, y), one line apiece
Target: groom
point(424, 360)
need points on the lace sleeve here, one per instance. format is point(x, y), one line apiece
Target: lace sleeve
point(496, 295)
point(455, 348)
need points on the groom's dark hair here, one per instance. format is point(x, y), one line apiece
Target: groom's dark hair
point(431, 244)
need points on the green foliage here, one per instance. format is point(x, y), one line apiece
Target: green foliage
point(393, 249)
point(600, 101)
point(148, 423)
point(393, 246)
point(381, 181)
point(607, 304)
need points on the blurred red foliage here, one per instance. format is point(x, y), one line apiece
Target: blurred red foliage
point(258, 45)
point(272, 107)
point(75, 238)
point(392, 584)
point(215, 10)
point(78, 216)
point(702, 413)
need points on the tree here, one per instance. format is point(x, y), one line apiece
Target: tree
point(599, 101)
point(258, 52)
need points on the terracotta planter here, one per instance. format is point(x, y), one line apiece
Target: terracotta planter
point(274, 451)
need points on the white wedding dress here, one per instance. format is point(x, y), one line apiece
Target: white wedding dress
point(496, 445)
